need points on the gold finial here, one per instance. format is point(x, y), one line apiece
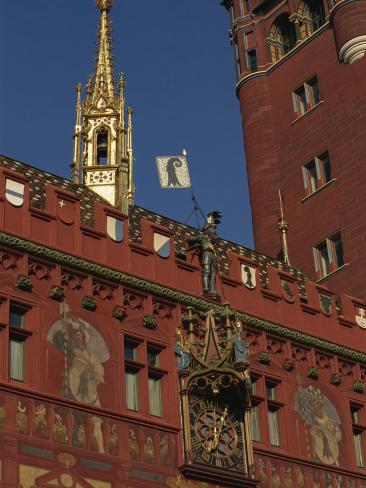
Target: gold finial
point(283, 228)
point(104, 5)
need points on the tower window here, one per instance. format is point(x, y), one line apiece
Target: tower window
point(313, 15)
point(102, 147)
point(250, 51)
point(328, 255)
point(282, 37)
point(306, 97)
point(316, 173)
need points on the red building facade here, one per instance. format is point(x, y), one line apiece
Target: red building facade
point(117, 371)
point(300, 84)
point(67, 415)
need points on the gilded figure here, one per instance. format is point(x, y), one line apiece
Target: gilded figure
point(59, 429)
point(22, 418)
point(133, 446)
point(2, 417)
point(40, 424)
point(113, 440)
point(149, 450)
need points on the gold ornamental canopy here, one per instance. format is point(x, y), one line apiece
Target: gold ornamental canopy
point(104, 5)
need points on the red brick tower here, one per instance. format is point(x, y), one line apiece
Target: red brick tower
point(301, 88)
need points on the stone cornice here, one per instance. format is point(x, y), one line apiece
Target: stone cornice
point(172, 295)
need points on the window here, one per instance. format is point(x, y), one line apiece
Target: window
point(273, 413)
point(316, 173)
point(155, 376)
point(306, 97)
point(17, 342)
point(358, 429)
point(143, 373)
point(313, 15)
point(155, 403)
point(328, 255)
point(132, 390)
point(255, 424)
point(131, 351)
point(250, 52)
point(265, 397)
point(255, 413)
point(132, 374)
point(281, 37)
point(252, 60)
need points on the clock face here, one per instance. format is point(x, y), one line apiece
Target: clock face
point(216, 435)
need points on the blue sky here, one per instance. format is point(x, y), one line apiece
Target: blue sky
point(180, 80)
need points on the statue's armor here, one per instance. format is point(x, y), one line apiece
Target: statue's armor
point(208, 261)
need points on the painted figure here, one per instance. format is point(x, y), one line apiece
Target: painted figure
point(59, 429)
point(2, 417)
point(321, 417)
point(85, 351)
point(206, 241)
point(240, 345)
point(40, 425)
point(133, 446)
point(22, 418)
point(182, 352)
point(97, 444)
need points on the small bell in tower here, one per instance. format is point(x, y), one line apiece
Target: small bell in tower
point(102, 147)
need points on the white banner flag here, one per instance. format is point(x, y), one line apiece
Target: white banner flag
point(173, 171)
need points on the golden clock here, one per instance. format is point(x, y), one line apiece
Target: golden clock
point(216, 434)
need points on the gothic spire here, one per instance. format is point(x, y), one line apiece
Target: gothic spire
point(103, 150)
point(103, 78)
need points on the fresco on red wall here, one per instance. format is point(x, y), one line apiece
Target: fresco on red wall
point(323, 423)
point(84, 352)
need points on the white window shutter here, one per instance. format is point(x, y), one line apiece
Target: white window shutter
point(316, 259)
point(318, 168)
point(305, 177)
point(330, 250)
point(307, 93)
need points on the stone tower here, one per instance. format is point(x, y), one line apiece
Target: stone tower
point(300, 81)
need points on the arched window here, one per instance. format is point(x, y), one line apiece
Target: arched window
point(102, 147)
point(312, 15)
point(282, 37)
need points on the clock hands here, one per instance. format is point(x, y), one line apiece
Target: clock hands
point(213, 440)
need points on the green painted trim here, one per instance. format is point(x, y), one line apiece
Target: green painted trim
point(174, 295)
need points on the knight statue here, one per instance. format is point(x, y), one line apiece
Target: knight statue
point(206, 240)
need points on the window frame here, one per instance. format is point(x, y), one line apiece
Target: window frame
point(358, 428)
point(145, 371)
point(264, 406)
point(333, 261)
point(302, 104)
point(20, 335)
point(321, 175)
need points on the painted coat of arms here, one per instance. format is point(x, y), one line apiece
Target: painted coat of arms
point(323, 422)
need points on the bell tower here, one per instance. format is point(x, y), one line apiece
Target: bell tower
point(103, 155)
